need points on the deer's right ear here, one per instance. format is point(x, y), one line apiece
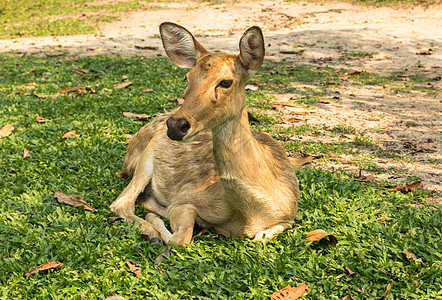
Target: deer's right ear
point(180, 45)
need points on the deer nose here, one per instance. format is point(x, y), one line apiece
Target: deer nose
point(177, 129)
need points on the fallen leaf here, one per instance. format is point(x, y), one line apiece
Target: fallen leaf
point(6, 130)
point(348, 298)
point(317, 235)
point(138, 117)
point(70, 134)
point(134, 268)
point(179, 100)
point(105, 90)
point(115, 298)
point(334, 156)
point(46, 266)
point(123, 85)
point(41, 119)
point(291, 120)
point(124, 77)
point(384, 296)
point(300, 161)
point(365, 178)
point(74, 200)
point(290, 293)
point(355, 72)
point(43, 96)
point(325, 100)
point(410, 255)
point(81, 71)
point(147, 90)
point(277, 105)
point(28, 86)
point(164, 254)
point(20, 93)
point(26, 153)
point(350, 272)
point(69, 90)
point(407, 188)
point(128, 136)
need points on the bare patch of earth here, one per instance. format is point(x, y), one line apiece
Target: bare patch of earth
point(386, 41)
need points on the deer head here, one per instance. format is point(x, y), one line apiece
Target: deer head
point(216, 81)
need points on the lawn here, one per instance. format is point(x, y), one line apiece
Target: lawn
point(372, 224)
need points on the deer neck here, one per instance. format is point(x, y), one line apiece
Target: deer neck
point(236, 152)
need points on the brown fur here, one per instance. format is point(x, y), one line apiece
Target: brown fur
point(222, 175)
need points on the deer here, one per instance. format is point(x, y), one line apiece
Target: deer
point(201, 163)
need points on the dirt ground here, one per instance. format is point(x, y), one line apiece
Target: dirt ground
point(388, 40)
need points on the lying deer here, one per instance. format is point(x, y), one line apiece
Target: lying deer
point(232, 179)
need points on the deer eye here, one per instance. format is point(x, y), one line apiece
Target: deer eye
point(226, 83)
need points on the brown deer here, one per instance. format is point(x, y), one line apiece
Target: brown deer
point(201, 162)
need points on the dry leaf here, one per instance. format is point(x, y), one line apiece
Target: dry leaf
point(290, 293)
point(318, 234)
point(105, 90)
point(407, 188)
point(81, 71)
point(20, 93)
point(365, 178)
point(300, 161)
point(69, 90)
point(138, 117)
point(128, 136)
point(334, 156)
point(26, 153)
point(123, 78)
point(134, 268)
point(410, 255)
point(70, 134)
point(28, 86)
point(348, 298)
point(74, 200)
point(350, 272)
point(123, 85)
point(384, 296)
point(147, 90)
point(115, 298)
point(46, 266)
point(6, 130)
point(277, 105)
point(291, 120)
point(41, 119)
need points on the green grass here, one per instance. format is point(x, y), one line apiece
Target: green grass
point(24, 18)
point(373, 225)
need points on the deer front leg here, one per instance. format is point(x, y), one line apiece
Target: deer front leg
point(182, 219)
point(272, 232)
point(124, 206)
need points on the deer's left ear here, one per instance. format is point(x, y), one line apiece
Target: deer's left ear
point(252, 51)
point(180, 45)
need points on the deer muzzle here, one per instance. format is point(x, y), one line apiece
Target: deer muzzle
point(177, 128)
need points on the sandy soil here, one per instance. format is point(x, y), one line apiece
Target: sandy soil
point(407, 40)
